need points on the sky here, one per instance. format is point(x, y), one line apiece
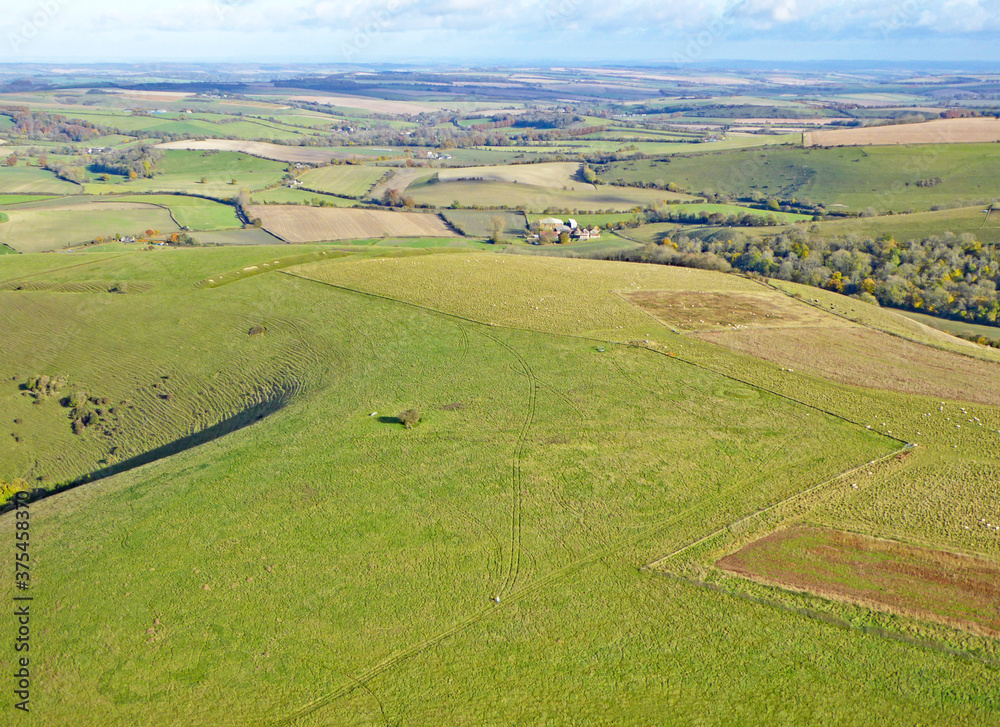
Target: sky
point(509, 32)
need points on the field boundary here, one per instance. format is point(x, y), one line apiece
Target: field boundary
point(654, 565)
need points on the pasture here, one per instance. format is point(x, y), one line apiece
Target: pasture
point(785, 331)
point(213, 174)
point(33, 181)
point(342, 463)
point(392, 475)
point(919, 225)
point(313, 224)
point(844, 178)
point(263, 149)
point(472, 193)
point(525, 479)
point(347, 180)
point(194, 212)
point(480, 223)
point(54, 227)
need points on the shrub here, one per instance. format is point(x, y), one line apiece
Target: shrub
point(409, 418)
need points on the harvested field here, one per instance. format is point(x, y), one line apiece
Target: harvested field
point(943, 131)
point(376, 105)
point(556, 174)
point(958, 590)
point(263, 149)
point(311, 224)
point(893, 364)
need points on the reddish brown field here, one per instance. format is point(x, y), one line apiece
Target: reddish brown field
point(943, 131)
point(961, 591)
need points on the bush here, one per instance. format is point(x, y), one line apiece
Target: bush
point(409, 418)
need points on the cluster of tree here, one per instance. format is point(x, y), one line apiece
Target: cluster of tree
point(395, 198)
point(41, 126)
point(952, 276)
point(133, 162)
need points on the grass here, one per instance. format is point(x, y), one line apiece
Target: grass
point(919, 225)
point(535, 198)
point(934, 584)
point(854, 179)
point(562, 470)
point(956, 328)
point(182, 171)
point(194, 212)
point(33, 181)
point(312, 224)
point(21, 198)
point(290, 195)
point(732, 209)
point(476, 223)
point(395, 510)
point(53, 228)
point(343, 179)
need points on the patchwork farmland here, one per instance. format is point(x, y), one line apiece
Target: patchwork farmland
point(344, 444)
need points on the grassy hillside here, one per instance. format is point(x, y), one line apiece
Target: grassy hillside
point(848, 178)
point(327, 565)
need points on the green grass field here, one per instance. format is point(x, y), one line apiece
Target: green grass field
point(480, 223)
point(849, 179)
point(321, 564)
point(194, 212)
point(53, 227)
point(21, 198)
point(19, 181)
point(431, 480)
point(533, 198)
point(920, 225)
point(183, 171)
point(290, 195)
point(343, 179)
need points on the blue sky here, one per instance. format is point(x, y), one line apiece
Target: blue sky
point(506, 31)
